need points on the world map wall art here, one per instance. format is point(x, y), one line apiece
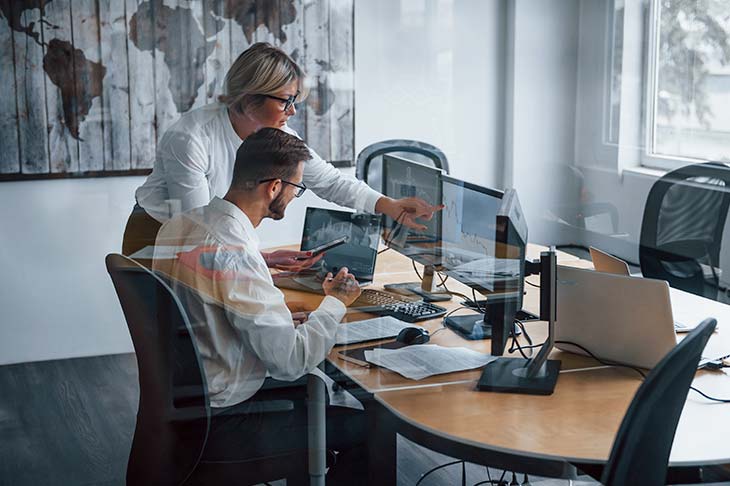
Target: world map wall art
point(90, 86)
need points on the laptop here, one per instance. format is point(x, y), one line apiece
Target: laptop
point(603, 262)
point(606, 263)
point(622, 319)
point(357, 254)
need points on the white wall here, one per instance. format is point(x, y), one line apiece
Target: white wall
point(541, 109)
point(433, 70)
point(56, 298)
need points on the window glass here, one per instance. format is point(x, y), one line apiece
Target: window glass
point(691, 93)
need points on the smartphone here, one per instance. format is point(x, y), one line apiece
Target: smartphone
point(326, 246)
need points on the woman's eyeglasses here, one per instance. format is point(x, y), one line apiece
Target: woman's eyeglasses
point(301, 188)
point(288, 102)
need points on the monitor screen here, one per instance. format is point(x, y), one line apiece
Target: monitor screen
point(469, 234)
point(405, 178)
point(358, 254)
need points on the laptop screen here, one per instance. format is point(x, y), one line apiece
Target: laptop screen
point(358, 254)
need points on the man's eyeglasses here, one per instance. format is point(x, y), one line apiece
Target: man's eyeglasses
point(288, 102)
point(301, 188)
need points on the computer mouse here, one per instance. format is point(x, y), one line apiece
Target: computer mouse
point(413, 335)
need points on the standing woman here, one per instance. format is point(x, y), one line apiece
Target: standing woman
point(196, 155)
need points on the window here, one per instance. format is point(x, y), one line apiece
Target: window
point(687, 114)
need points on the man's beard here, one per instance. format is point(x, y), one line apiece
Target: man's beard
point(277, 207)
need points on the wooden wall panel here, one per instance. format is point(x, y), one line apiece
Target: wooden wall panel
point(10, 159)
point(117, 146)
point(218, 31)
point(201, 49)
point(96, 83)
point(31, 98)
point(166, 43)
point(294, 46)
point(316, 64)
point(238, 18)
point(89, 75)
point(63, 145)
point(342, 80)
point(141, 65)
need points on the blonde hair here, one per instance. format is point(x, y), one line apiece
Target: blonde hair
point(262, 69)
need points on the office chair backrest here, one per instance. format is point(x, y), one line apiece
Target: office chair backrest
point(683, 222)
point(640, 453)
point(174, 414)
point(370, 160)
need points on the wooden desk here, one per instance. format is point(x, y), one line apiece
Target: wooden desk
point(535, 434)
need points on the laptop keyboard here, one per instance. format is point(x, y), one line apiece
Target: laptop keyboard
point(405, 308)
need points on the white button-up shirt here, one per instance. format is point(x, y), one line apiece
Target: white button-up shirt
point(242, 326)
point(195, 160)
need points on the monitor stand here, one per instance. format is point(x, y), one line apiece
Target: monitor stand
point(426, 288)
point(474, 326)
point(537, 375)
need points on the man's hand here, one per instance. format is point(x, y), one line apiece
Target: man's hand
point(291, 260)
point(342, 286)
point(406, 210)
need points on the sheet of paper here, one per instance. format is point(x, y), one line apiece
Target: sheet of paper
point(369, 330)
point(339, 397)
point(421, 361)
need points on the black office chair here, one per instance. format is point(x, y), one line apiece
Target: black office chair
point(370, 161)
point(681, 232)
point(640, 453)
point(174, 412)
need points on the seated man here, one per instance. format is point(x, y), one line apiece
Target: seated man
point(241, 324)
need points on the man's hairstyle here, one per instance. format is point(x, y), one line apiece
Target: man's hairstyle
point(267, 154)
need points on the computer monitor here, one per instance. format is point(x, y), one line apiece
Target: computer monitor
point(484, 245)
point(469, 234)
point(509, 270)
point(406, 178)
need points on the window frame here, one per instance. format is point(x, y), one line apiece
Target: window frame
point(650, 159)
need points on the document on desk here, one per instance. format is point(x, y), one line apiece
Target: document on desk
point(421, 361)
point(369, 330)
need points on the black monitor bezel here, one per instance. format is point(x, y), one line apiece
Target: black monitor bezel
point(471, 186)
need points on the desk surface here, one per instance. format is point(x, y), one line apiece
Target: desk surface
point(578, 422)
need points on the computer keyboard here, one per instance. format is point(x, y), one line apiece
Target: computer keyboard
point(405, 308)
